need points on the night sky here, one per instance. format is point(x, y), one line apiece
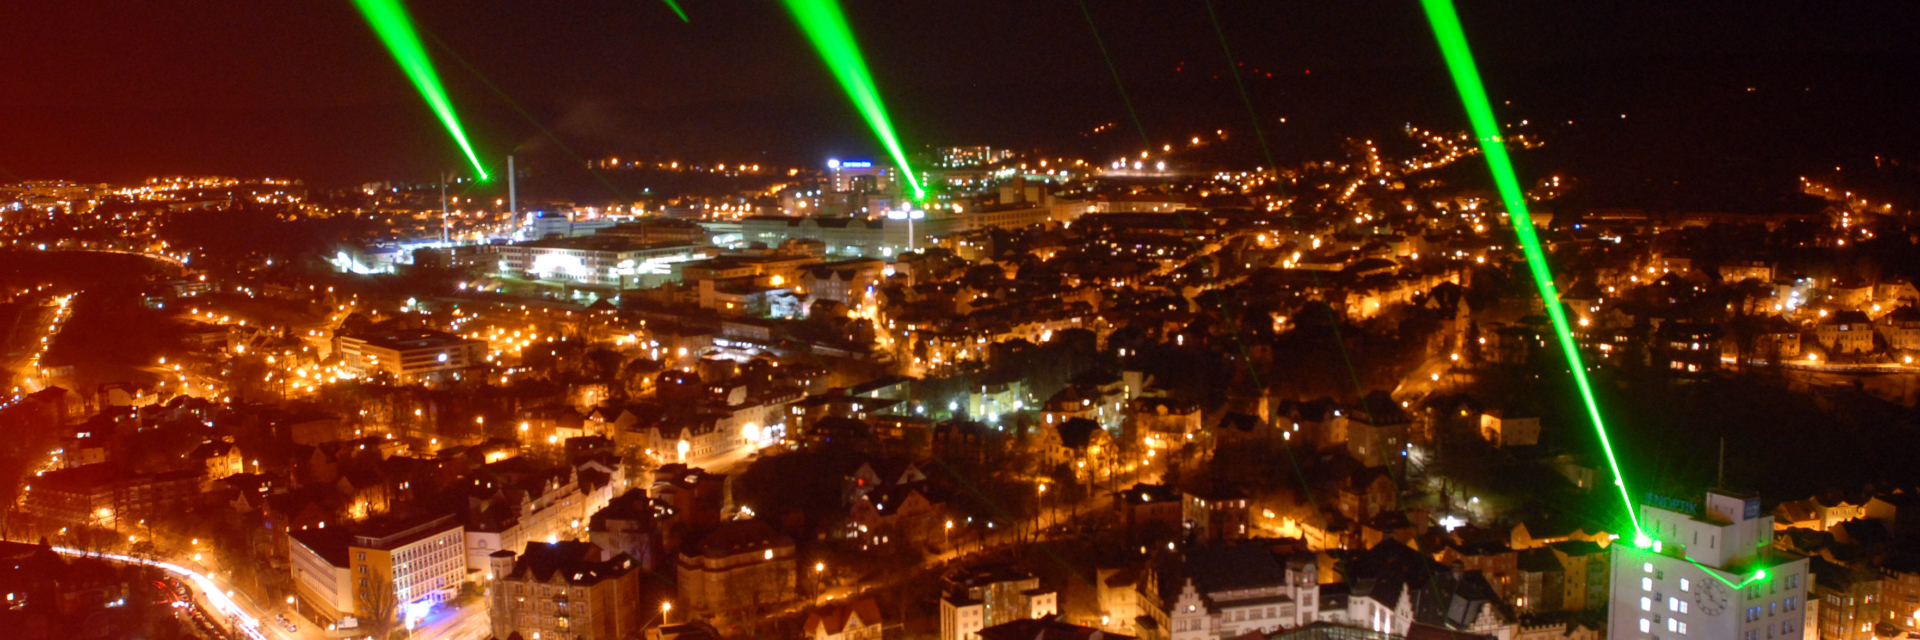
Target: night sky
point(97, 90)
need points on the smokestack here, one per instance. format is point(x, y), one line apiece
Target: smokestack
point(444, 232)
point(513, 196)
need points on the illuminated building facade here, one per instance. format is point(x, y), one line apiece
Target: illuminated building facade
point(859, 175)
point(972, 156)
point(424, 559)
point(411, 355)
point(1708, 572)
point(597, 260)
point(989, 596)
point(339, 574)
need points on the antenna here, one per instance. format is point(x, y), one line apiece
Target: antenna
point(1720, 477)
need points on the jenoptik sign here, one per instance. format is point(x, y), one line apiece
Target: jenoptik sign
point(1672, 504)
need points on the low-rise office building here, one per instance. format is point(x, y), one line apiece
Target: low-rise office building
point(410, 356)
point(404, 565)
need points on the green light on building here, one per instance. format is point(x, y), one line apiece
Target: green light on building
point(1466, 78)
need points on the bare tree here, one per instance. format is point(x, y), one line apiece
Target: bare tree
point(379, 612)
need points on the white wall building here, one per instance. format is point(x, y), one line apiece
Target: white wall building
point(1708, 573)
point(410, 355)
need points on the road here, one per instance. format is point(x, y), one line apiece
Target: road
point(1878, 367)
point(45, 321)
point(466, 623)
point(209, 593)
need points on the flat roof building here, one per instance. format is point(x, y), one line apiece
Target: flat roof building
point(410, 565)
point(411, 355)
point(607, 260)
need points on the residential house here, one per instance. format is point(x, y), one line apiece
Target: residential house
point(1164, 424)
point(632, 524)
point(1145, 506)
point(1539, 583)
point(1900, 328)
point(564, 590)
point(851, 620)
point(1845, 331)
point(1849, 600)
point(1510, 427)
point(1586, 566)
point(1079, 442)
point(990, 595)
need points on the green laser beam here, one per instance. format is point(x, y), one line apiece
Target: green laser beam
point(1760, 574)
point(1466, 78)
point(1643, 541)
point(826, 27)
point(517, 108)
point(390, 21)
point(1115, 71)
point(675, 6)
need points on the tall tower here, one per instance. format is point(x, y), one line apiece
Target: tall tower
point(1706, 572)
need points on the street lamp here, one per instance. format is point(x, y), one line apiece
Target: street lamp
point(1041, 518)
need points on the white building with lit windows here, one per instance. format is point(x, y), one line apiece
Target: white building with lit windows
point(596, 260)
point(1706, 572)
point(339, 575)
point(410, 355)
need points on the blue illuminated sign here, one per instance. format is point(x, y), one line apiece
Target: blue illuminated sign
point(855, 164)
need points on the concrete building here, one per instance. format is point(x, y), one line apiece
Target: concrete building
point(102, 495)
point(596, 260)
point(989, 596)
point(412, 355)
point(647, 231)
point(1706, 572)
point(563, 224)
point(860, 175)
point(407, 565)
point(1509, 428)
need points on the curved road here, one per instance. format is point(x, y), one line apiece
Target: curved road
point(248, 627)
